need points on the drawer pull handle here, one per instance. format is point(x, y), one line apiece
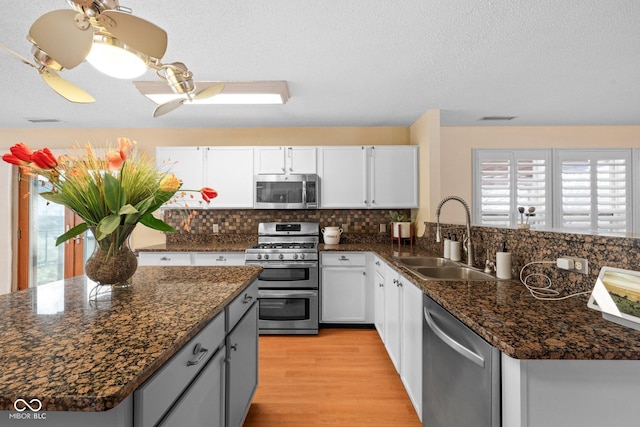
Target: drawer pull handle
point(247, 299)
point(164, 258)
point(344, 258)
point(200, 352)
point(221, 258)
point(234, 347)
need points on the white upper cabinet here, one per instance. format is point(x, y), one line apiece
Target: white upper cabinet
point(285, 160)
point(186, 163)
point(394, 177)
point(343, 177)
point(229, 171)
point(377, 177)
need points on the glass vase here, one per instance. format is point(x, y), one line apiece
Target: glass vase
point(112, 261)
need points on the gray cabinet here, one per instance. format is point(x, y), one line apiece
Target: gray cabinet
point(242, 367)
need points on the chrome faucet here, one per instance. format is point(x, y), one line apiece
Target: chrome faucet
point(469, 244)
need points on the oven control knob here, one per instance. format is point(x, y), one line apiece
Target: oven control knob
point(295, 256)
point(259, 256)
point(266, 256)
point(302, 256)
point(281, 256)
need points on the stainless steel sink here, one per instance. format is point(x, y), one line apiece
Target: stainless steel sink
point(453, 273)
point(435, 268)
point(424, 261)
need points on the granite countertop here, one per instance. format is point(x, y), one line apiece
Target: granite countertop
point(77, 351)
point(506, 315)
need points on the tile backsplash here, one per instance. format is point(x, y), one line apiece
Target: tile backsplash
point(359, 222)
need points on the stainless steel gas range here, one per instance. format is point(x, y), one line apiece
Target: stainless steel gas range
point(288, 285)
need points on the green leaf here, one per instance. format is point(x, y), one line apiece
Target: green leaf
point(114, 194)
point(106, 226)
point(54, 197)
point(157, 224)
point(127, 209)
point(78, 229)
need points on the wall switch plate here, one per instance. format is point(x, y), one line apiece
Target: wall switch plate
point(216, 229)
point(345, 228)
point(383, 228)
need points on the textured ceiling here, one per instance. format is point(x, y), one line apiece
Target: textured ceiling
point(360, 63)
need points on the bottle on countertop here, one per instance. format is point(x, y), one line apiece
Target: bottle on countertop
point(447, 246)
point(503, 263)
point(455, 249)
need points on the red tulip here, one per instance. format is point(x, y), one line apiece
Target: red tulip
point(44, 159)
point(208, 194)
point(22, 152)
point(10, 158)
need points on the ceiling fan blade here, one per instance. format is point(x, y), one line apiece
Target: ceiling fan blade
point(141, 35)
point(210, 91)
point(168, 107)
point(65, 88)
point(57, 34)
point(22, 58)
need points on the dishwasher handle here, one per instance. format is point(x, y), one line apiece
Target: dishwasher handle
point(455, 345)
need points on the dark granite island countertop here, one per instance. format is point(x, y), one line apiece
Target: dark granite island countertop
point(75, 351)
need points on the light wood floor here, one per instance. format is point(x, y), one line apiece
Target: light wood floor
point(341, 377)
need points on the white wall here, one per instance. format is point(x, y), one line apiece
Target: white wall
point(7, 228)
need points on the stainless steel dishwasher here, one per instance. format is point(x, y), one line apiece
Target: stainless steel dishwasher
point(461, 373)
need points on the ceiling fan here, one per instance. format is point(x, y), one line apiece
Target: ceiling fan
point(65, 38)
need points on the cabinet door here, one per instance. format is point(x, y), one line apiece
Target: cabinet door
point(343, 177)
point(344, 294)
point(187, 163)
point(393, 317)
point(242, 367)
point(301, 160)
point(379, 285)
point(411, 363)
point(394, 177)
point(164, 258)
point(270, 160)
point(203, 403)
point(229, 170)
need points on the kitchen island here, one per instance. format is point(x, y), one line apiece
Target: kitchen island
point(76, 348)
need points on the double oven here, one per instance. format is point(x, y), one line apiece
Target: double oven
point(288, 301)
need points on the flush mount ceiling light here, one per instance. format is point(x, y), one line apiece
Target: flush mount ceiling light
point(254, 92)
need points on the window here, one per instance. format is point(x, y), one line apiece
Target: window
point(593, 190)
point(507, 179)
point(574, 190)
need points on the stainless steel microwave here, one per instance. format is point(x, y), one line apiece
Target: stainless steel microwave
point(287, 191)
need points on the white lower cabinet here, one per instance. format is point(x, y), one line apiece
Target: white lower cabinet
point(164, 258)
point(191, 258)
point(401, 323)
point(218, 258)
point(344, 288)
point(379, 284)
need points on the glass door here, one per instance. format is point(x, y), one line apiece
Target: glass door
point(45, 262)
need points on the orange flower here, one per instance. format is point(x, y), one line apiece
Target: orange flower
point(44, 159)
point(21, 151)
point(114, 160)
point(124, 147)
point(208, 194)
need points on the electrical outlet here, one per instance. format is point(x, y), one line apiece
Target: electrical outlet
point(215, 228)
point(571, 263)
point(383, 228)
point(345, 228)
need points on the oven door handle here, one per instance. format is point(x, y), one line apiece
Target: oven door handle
point(282, 265)
point(273, 293)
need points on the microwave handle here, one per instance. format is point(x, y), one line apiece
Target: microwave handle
point(304, 192)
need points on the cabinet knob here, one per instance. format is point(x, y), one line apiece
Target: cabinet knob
point(381, 285)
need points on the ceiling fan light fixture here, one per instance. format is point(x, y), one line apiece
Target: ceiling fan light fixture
point(114, 58)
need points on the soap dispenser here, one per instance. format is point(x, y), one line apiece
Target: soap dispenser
point(447, 246)
point(455, 249)
point(503, 263)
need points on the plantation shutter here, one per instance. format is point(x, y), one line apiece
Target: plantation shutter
point(593, 190)
point(507, 179)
